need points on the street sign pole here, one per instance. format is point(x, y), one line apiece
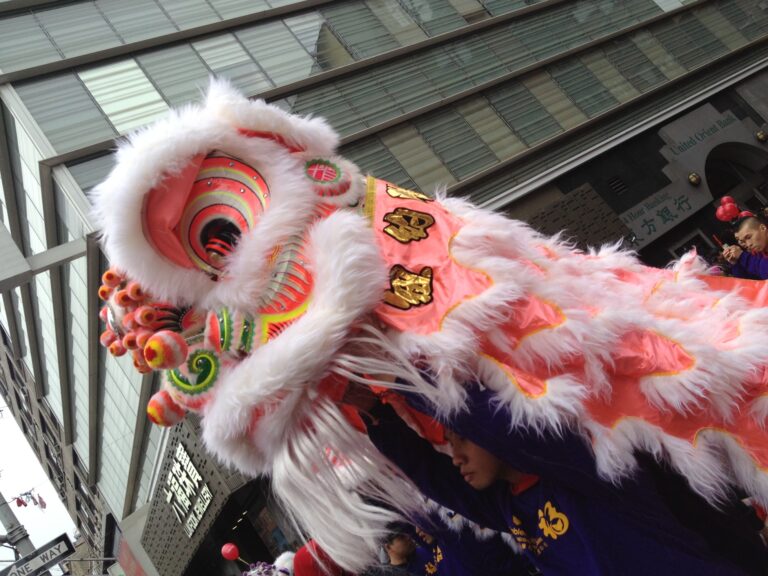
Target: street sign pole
point(17, 535)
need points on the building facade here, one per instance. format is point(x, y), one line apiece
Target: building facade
point(590, 116)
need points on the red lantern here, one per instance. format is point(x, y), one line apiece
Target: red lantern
point(727, 200)
point(230, 551)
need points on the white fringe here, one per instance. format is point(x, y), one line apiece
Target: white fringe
point(349, 525)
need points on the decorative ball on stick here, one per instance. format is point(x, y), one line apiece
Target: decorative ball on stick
point(230, 551)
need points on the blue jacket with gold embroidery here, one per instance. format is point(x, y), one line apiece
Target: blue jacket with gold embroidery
point(460, 552)
point(568, 522)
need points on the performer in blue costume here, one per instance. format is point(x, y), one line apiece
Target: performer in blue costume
point(543, 489)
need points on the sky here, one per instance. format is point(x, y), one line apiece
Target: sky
point(19, 472)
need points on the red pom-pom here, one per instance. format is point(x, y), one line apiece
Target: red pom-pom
point(134, 291)
point(230, 551)
point(111, 278)
point(129, 340)
point(117, 348)
point(139, 363)
point(746, 214)
point(107, 337)
point(727, 200)
point(105, 292)
point(123, 299)
point(129, 321)
point(142, 336)
point(145, 316)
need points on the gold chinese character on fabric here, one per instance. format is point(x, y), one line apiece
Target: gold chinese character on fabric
point(406, 225)
point(408, 289)
point(431, 568)
point(535, 544)
point(551, 522)
point(397, 192)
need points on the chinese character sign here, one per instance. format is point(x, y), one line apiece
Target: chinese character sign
point(661, 212)
point(185, 492)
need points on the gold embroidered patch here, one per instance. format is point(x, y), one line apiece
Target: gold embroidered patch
point(406, 225)
point(397, 192)
point(552, 522)
point(437, 557)
point(408, 289)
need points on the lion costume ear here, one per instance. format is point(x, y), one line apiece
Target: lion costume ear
point(334, 179)
point(257, 118)
point(163, 409)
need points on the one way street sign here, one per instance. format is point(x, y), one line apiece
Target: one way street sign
point(44, 557)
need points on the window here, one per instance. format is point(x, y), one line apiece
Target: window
point(373, 157)
point(177, 72)
point(634, 65)
point(358, 29)
point(190, 13)
point(328, 102)
point(125, 94)
point(455, 142)
point(226, 56)
point(23, 43)
point(549, 32)
point(581, 86)
point(496, 7)
point(523, 113)
point(78, 28)
point(278, 51)
point(136, 20)
point(688, 40)
point(65, 111)
point(434, 16)
point(478, 61)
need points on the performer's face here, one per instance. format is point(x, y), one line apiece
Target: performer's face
point(478, 467)
point(753, 236)
point(401, 545)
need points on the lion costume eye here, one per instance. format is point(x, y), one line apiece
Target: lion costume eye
point(225, 202)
